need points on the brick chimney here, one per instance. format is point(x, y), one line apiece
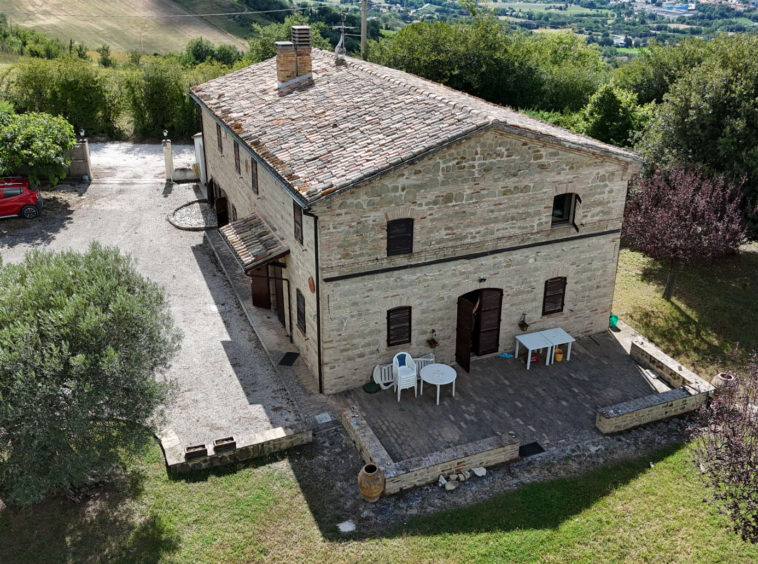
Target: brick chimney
point(293, 58)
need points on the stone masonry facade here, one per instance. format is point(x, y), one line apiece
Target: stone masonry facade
point(492, 192)
point(275, 206)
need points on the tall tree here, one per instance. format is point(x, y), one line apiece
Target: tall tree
point(613, 115)
point(683, 215)
point(82, 338)
point(710, 116)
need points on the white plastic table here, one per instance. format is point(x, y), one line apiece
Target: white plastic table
point(533, 342)
point(439, 375)
point(559, 337)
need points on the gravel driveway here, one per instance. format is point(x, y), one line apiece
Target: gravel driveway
point(227, 384)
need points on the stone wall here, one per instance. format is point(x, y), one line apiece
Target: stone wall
point(275, 206)
point(248, 446)
point(492, 192)
point(414, 472)
point(689, 393)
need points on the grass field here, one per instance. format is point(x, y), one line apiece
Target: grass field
point(150, 35)
point(631, 513)
point(714, 307)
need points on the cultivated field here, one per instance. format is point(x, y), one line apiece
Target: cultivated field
point(150, 35)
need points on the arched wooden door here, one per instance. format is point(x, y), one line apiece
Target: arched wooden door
point(463, 329)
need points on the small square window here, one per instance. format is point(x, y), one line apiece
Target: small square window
point(563, 209)
point(400, 236)
point(555, 296)
point(398, 326)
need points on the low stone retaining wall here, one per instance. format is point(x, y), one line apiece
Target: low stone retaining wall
point(248, 446)
point(426, 469)
point(690, 392)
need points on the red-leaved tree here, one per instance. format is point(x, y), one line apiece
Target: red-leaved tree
point(726, 449)
point(683, 215)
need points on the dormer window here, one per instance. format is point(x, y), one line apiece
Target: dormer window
point(399, 237)
point(564, 207)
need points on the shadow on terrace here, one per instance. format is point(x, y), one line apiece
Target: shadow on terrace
point(553, 405)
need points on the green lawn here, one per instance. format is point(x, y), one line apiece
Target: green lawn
point(258, 513)
point(714, 307)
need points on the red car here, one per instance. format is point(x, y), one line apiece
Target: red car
point(18, 199)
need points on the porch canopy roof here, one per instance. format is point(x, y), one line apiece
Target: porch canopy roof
point(253, 242)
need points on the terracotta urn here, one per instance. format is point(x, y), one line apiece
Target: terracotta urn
point(371, 482)
point(721, 380)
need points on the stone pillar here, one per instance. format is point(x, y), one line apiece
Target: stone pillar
point(168, 159)
point(86, 159)
point(286, 63)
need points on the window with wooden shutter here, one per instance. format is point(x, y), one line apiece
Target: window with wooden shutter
point(399, 237)
point(237, 158)
point(219, 140)
point(555, 296)
point(300, 310)
point(254, 174)
point(563, 209)
point(298, 222)
point(398, 326)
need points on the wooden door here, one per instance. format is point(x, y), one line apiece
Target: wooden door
point(488, 335)
point(279, 291)
point(259, 287)
point(463, 329)
point(222, 211)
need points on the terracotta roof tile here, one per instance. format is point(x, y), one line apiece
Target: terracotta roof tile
point(253, 242)
point(357, 119)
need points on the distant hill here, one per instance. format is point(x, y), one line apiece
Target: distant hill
point(150, 35)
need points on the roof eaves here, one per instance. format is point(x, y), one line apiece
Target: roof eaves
point(610, 151)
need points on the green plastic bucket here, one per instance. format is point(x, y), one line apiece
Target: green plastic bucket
point(612, 321)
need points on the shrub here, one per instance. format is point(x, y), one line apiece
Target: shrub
point(106, 60)
point(82, 336)
point(158, 97)
point(38, 141)
point(84, 95)
point(613, 115)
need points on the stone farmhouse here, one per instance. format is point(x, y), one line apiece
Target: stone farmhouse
point(379, 212)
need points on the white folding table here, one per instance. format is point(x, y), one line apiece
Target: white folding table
point(533, 342)
point(558, 337)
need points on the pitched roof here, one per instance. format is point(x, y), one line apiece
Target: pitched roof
point(356, 120)
point(253, 242)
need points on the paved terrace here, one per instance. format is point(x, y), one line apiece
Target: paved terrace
point(554, 405)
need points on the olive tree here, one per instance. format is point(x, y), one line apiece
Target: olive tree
point(84, 339)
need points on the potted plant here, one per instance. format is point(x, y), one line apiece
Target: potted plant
point(227, 443)
point(195, 451)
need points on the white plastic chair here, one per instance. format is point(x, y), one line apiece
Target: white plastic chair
point(404, 370)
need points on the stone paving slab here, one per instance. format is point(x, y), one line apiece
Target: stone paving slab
point(554, 405)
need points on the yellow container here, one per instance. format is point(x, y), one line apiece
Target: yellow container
point(558, 355)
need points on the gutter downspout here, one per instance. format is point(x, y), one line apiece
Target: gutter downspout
point(318, 302)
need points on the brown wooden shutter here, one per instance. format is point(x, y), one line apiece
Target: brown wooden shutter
point(219, 140)
point(399, 237)
point(555, 294)
point(298, 222)
point(254, 174)
point(398, 326)
point(301, 311)
point(237, 158)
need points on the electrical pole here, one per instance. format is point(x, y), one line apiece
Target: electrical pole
point(364, 9)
